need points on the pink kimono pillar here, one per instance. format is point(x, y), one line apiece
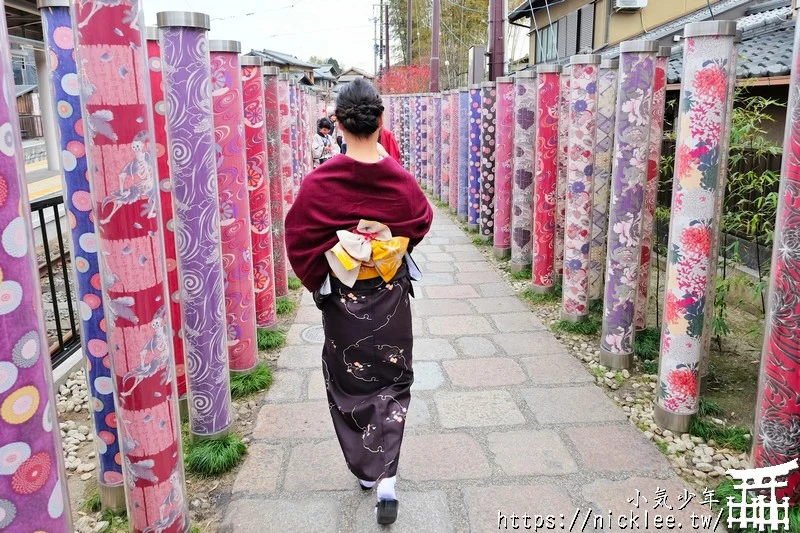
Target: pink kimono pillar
point(524, 162)
point(580, 170)
point(272, 123)
point(651, 188)
point(286, 140)
point(546, 172)
point(561, 182)
point(778, 406)
point(504, 166)
point(703, 104)
point(33, 485)
point(444, 148)
point(234, 204)
point(455, 125)
point(111, 56)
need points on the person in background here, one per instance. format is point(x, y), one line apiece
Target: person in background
point(389, 144)
point(335, 131)
point(323, 146)
point(349, 235)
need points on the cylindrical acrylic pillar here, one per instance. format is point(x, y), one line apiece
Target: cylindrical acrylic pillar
point(651, 188)
point(455, 126)
point(286, 140)
point(464, 160)
point(272, 122)
point(423, 140)
point(195, 199)
point(546, 171)
point(524, 168)
point(628, 178)
point(58, 37)
point(234, 204)
point(444, 148)
point(407, 124)
point(474, 193)
point(416, 138)
point(778, 407)
point(111, 57)
point(504, 166)
point(486, 180)
point(33, 485)
point(703, 117)
point(258, 187)
point(604, 147)
point(437, 145)
point(430, 161)
point(580, 170)
point(563, 165)
point(296, 168)
point(159, 108)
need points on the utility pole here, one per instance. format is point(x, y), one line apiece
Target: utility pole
point(387, 37)
point(374, 42)
point(437, 15)
point(408, 34)
point(380, 29)
point(496, 40)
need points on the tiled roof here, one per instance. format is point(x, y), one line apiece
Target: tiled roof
point(282, 59)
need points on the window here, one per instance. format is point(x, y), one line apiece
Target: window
point(546, 43)
point(567, 36)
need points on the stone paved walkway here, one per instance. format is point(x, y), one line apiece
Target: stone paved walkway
point(502, 419)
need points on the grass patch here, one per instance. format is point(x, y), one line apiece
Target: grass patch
point(734, 437)
point(259, 379)
point(294, 283)
point(212, 457)
point(709, 408)
point(441, 204)
point(596, 307)
point(725, 490)
point(269, 339)
point(522, 274)
point(536, 298)
point(599, 372)
point(650, 367)
point(619, 378)
point(284, 306)
point(585, 327)
point(662, 446)
point(477, 240)
point(92, 504)
point(117, 522)
point(646, 344)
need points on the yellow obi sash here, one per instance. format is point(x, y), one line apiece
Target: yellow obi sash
point(368, 252)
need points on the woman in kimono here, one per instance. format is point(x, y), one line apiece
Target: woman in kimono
point(348, 235)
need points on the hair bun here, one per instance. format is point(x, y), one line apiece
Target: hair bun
point(359, 108)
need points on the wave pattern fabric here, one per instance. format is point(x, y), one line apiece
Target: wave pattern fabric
point(504, 165)
point(544, 194)
point(437, 145)
point(286, 143)
point(524, 143)
point(272, 123)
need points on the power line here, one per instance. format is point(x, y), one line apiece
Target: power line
point(454, 35)
point(254, 13)
point(465, 8)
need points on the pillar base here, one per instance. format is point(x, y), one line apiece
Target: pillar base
point(539, 289)
point(502, 253)
point(453, 210)
point(519, 267)
point(218, 435)
point(112, 498)
point(462, 218)
point(616, 361)
point(183, 407)
point(284, 297)
point(675, 422)
point(573, 318)
point(485, 238)
point(472, 228)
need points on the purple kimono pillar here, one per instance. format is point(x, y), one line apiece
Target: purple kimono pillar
point(474, 189)
point(272, 126)
point(524, 160)
point(33, 485)
point(628, 178)
point(488, 131)
point(561, 183)
point(709, 50)
point(437, 146)
point(504, 167)
point(190, 134)
point(455, 126)
point(464, 143)
point(580, 170)
point(445, 148)
point(604, 147)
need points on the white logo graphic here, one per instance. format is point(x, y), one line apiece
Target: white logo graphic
point(766, 511)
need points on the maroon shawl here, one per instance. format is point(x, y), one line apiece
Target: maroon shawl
point(340, 193)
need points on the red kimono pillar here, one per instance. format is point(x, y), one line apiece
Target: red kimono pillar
point(286, 139)
point(503, 166)
point(272, 123)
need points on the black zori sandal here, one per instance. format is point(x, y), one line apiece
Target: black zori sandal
point(387, 511)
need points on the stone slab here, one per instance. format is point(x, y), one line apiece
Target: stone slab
point(513, 322)
point(474, 266)
point(312, 515)
point(294, 420)
point(287, 385)
point(458, 325)
point(419, 414)
point(531, 453)
point(486, 505)
point(495, 289)
point(443, 307)
point(529, 343)
point(451, 291)
point(442, 457)
point(433, 349)
point(503, 304)
point(418, 512)
point(566, 405)
point(556, 370)
point(476, 346)
point(439, 257)
point(316, 386)
point(485, 372)
point(460, 409)
point(474, 278)
point(470, 255)
point(427, 376)
point(433, 279)
point(293, 337)
point(318, 466)
point(440, 267)
point(261, 472)
point(302, 356)
point(616, 448)
point(309, 314)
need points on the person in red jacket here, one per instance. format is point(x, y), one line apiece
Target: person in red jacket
point(389, 144)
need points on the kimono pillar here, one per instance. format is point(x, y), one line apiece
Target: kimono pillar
point(486, 180)
point(416, 138)
point(580, 169)
point(433, 119)
point(707, 65)
point(504, 166)
point(190, 121)
point(604, 147)
point(259, 189)
point(778, 406)
point(293, 121)
point(524, 163)
point(444, 147)
point(58, 36)
point(33, 487)
point(272, 122)
point(628, 178)
point(437, 146)
point(473, 193)
point(234, 205)
point(464, 144)
point(120, 153)
point(546, 171)
point(651, 188)
point(159, 108)
point(455, 129)
point(561, 181)
point(286, 139)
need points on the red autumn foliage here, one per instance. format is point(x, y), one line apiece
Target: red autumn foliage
point(405, 80)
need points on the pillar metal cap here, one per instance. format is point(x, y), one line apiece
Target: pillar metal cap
point(664, 51)
point(183, 19)
point(525, 74)
point(151, 33)
point(292, 81)
point(41, 4)
point(474, 86)
point(609, 64)
point(505, 79)
point(217, 45)
point(271, 71)
point(437, 95)
point(283, 76)
point(463, 89)
point(566, 70)
point(710, 28)
point(488, 84)
point(738, 37)
point(585, 59)
point(548, 68)
point(251, 61)
point(638, 46)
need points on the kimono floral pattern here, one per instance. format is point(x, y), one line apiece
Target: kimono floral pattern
point(444, 191)
point(272, 123)
point(504, 167)
point(294, 122)
point(121, 159)
point(563, 159)
point(580, 169)
point(422, 139)
point(464, 151)
point(606, 112)
point(522, 193)
point(416, 138)
point(486, 180)
point(455, 126)
point(474, 193)
point(286, 142)
point(544, 197)
point(703, 117)
point(651, 189)
point(436, 150)
point(430, 160)
point(628, 177)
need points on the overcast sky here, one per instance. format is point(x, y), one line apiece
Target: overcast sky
point(326, 28)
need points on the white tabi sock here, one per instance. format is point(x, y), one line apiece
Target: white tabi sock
point(386, 489)
point(368, 484)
